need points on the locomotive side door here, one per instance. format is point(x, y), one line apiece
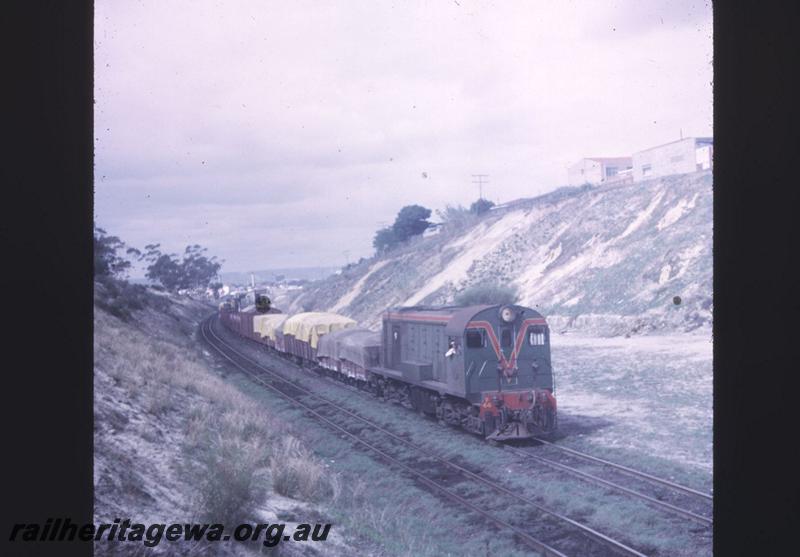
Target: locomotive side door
point(476, 360)
point(395, 346)
point(452, 359)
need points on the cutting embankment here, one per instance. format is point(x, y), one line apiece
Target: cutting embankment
point(176, 442)
point(605, 260)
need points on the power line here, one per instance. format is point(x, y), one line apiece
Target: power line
point(480, 179)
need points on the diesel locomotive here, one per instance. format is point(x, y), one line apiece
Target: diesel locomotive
point(484, 368)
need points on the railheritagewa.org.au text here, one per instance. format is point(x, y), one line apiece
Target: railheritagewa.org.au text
point(270, 535)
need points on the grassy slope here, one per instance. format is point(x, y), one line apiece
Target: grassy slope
point(175, 442)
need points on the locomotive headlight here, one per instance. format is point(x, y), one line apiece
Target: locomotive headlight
point(507, 314)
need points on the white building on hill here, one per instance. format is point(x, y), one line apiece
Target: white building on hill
point(600, 170)
point(678, 157)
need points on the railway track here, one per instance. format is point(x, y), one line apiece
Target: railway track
point(552, 527)
point(697, 502)
point(697, 511)
point(694, 505)
point(628, 470)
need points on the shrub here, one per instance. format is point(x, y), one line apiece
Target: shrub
point(452, 213)
point(385, 239)
point(298, 474)
point(487, 294)
point(159, 399)
point(410, 221)
point(230, 487)
point(121, 299)
point(456, 217)
point(481, 206)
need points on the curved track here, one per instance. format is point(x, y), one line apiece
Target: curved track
point(697, 501)
point(698, 511)
point(559, 524)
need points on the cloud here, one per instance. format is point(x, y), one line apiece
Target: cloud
point(331, 111)
point(624, 19)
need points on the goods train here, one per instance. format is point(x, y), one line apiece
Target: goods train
point(485, 368)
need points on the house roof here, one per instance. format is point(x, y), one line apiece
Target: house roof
point(612, 160)
point(701, 140)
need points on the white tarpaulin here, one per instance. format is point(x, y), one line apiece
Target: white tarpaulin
point(309, 327)
point(267, 324)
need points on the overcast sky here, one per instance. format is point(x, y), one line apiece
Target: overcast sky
point(280, 134)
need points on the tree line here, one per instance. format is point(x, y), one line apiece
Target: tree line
point(193, 269)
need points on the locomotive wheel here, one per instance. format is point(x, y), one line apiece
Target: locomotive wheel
point(415, 398)
point(414, 402)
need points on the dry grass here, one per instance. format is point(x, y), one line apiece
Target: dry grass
point(398, 522)
point(233, 481)
point(297, 473)
point(227, 436)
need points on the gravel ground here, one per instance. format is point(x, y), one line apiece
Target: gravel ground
point(645, 400)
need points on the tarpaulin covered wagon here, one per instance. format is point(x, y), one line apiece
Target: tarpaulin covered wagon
point(269, 328)
point(350, 351)
point(303, 331)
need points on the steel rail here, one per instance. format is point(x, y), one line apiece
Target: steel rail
point(590, 532)
point(631, 471)
point(568, 469)
point(530, 540)
point(624, 469)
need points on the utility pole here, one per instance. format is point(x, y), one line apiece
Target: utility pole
point(346, 254)
point(480, 179)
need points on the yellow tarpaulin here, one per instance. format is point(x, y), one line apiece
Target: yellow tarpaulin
point(267, 324)
point(308, 327)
